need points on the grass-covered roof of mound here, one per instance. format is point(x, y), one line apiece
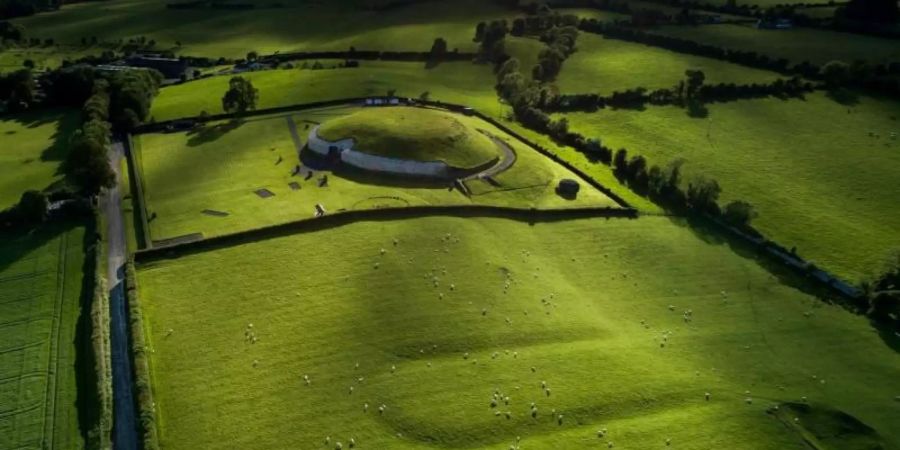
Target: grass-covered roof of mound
point(413, 133)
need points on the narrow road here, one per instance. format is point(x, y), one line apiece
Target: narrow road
point(124, 425)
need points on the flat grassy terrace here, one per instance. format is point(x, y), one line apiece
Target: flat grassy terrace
point(433, 319)
point(219, 169)
point(605, 65)
point(796, 45)
point(45, 367)
point(32, 147)
point(822, 175)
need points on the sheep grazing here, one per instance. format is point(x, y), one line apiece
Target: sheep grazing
point(383, 251)
point(508, 415)
point(360, 380)
point(609, 444)
point(506, 400)
point(466, 355)
point(327, 440)
point(548, 392)
point(671, 307)
point(393, 369)
point(543, 385)
point(351, 389)
point(365, 407)
point(375, 265)
point(381, 409)
point(515, 354)
point(600, 434)
point(668, 441)
point(559, 419)
point(338, 446)
point(452, 287)
point(357, 366)
point(749, 400)
point(707, 396)
point(428, 364)
point(352, 442)
point(483, 311)
point(396, 241)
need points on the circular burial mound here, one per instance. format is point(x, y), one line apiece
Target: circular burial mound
point(416, 134)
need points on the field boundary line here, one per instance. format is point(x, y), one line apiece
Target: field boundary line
point(339, 219)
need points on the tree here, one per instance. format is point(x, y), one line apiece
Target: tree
point(518, 27)
point(241, 96)
point(438, 49)
point(695, 79)
point(425, 96)
point(11, 31)
point(739, 213)
point(87, 165)
point(479, 31)
point(33, 207)
point(703, 193)
point(836, 74)
point(620, 161)
point(19, 88)
point(252, 55)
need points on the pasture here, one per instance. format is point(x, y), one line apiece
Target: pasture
point(488, 333)
point(796, 45)
point(456, 82)
point(605, 65)
point(45, 363)
point(219, 168)
point(828, 189)
point(32, 147)
point(296, 25)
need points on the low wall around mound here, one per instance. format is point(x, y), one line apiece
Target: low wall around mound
point(374, 163)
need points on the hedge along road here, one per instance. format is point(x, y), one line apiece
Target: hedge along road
point(124, 425)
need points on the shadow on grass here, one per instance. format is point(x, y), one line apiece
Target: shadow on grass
point(843, 96)
point(212, 133)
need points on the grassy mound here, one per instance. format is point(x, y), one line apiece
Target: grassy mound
point(413, 133)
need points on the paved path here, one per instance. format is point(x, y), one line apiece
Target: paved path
point(124, 424)
point(506, 161)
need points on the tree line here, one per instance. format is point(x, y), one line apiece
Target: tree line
point(691, 92)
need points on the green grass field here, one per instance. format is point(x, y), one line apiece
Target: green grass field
point(432, 317)
point(413, 133)
point(32, 147)
point(42, 337)
point(606, 65)
point(220, 168)
point(818, 179)
point(44, 58)
point(297, 26)
point(796, 45)
point(459, 82)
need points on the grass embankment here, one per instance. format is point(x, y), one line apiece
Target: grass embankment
point(828, 189)
point(417, 134)
point(221, 167)
point(796, 45)
point(431, 317)
point(32, 149)
point(605, 65)
point(296, 26)
point(47, 378)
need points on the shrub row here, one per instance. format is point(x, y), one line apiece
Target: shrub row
point(638, 97)
point(100, 344)
point(141, 360)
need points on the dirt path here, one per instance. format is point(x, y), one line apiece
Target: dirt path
point(124, 424)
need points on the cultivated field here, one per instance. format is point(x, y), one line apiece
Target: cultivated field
point(296, 26)
point(606, 65)
point(403, 334)
point(45, 364)
point(822, 175)
point(220, 168)
point(457, 82)
point(32, 147)
point(796, 45)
